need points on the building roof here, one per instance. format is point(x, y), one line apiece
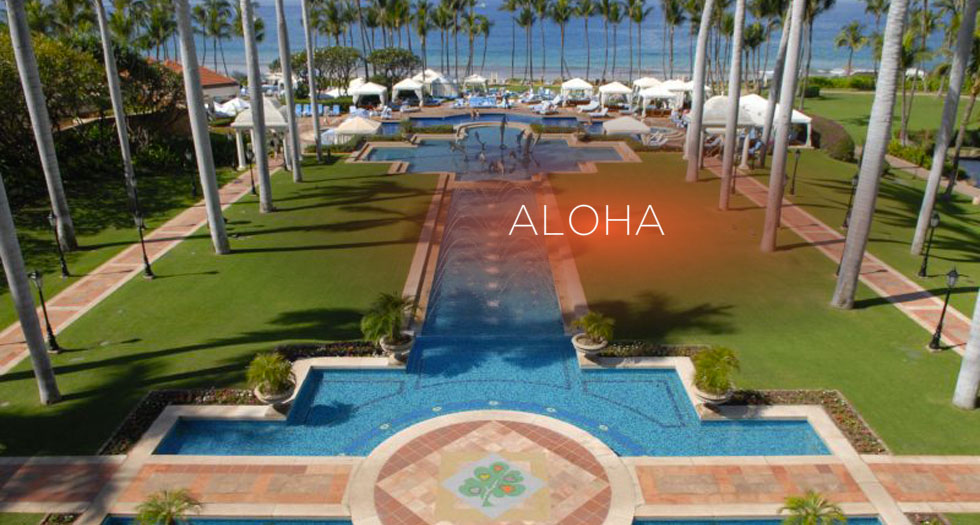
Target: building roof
point(209, 78)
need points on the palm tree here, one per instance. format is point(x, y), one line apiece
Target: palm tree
point(511, 6)
point(311, 74)
point(483, 29)
point(127, 17)
point(30, 79)
point(813, 9)
point(851, 37)
point(873, 157)
point(673, 17)
point(285, 62)
point(777, 80)
point(974, 81)
point(422, 25)
point(561, 13)
point(638, 13)
point(782, 124)
point(20, 293)
point(693, 142)
point(968, 380)
point(526, 20)
point(615, 16)
point(470, 22)
point(167, 507)
point(605, 8)
point(212, 19)
point(812, 509)
point(585, 9)
point(542, 8)
point(961, 58)
point(160, 27)
point(199, 128)
point(258, 24)
point(877, 9)
point(256, 105)
point(734, 90)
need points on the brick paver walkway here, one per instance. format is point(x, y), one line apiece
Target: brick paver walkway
point(53, 484)
point(914, 301)
point(72, 302)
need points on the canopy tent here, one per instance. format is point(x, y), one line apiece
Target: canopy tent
point(408, 85)
point(689, 87)
point(613, 89)
point(645, 82)
point(275, 121)
point(673, 85)
point(368, 89)
point(716, 114)
point(475, 80)
point(576, 88)
point(231, 108)
point(357, 82)
point(436, 84)
point(658, 92)
point(756, 107)
point(355, 126)
point(624, 126)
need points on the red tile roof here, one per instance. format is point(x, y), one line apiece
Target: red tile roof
point(209, 78)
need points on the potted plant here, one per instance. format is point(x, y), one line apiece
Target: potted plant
point(597, 330)
point(812, 509)
point(167, 507)
point(271, 377)
point(383, 324)
point(713, 369)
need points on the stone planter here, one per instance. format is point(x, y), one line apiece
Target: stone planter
point(398, 352)
point(274, 399)
point(585, 347)
point(714, 399)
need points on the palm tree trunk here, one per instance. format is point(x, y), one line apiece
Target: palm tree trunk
point(199, 128)
point(670, 51)
point(311, 73)
point(693, 143)
point(605, 60)
point(957, 71)
point(873, 157)
point(486, 43)
point(296, 154)
point(588, 50)
point(20, 294)
point(968, 381)
point(562, 65)
point(614, 46)
point(544, 53)
point(734, 90)
point(960, 134)
point(777, 175)
point(513, 45)
point(30, 79)
point(777, 79)
point(630, 23)
point(257, 107)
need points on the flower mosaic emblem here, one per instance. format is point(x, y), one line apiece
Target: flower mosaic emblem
point(492, 485)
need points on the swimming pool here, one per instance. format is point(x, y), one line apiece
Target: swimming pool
point(390, 128)
point(123, 520)
point(493, 339)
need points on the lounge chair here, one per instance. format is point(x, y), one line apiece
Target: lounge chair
point(604, 112)
point(590, 107)
point(335, 111)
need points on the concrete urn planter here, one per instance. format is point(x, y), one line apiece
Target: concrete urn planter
point(714, 399)
point(398, 352)
point(273, 399)
point(587, 347)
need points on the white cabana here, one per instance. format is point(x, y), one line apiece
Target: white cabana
point(408, 85)
point(355, 126)
point(368, 89)
point(613, 89)
point(624, 126)
point(688, 87)
point(275, 122)
point(756, 107)
point(475, 80)
point(436, 84)
point(673, 85)
point(657, 93)
point(716, 114)
point(576, 88)
point(357, 82)
point(645, 82)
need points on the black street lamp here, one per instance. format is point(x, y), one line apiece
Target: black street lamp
point(189, 157)
point(951, 278)
point(933, 224)
point(38, 281)
point(250, 156)
point(140, 226)
point(850, 201)
point(53, 222)
point(796, 165)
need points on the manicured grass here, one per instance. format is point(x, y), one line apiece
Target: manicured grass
point(103, 225)
point(17, 518)
point(852, 109)
point(706, 281)
point(303, 273)
point(964, 519)
point(823, 186)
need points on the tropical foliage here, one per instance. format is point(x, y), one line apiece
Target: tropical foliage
point(597, 327)
point(167, 507)
point(812, 508)
point(385, 318)
point(714, 368)
point(270, 373)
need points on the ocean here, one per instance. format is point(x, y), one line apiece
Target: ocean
point(652, 54)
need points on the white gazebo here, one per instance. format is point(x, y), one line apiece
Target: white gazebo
point(657, 93)
point(275, 122)
point(613, 89)
point(354, 127)
point(756, 107)
point(357, 82)
point(576, 89)
point(644, 83)
point(436, 84)
point(716, 114)
point(475, 80)
point(411, 86)
point(369, 89)
point(624, 126)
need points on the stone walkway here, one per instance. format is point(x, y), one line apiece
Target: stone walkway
point(90, 289)
point(917, 303)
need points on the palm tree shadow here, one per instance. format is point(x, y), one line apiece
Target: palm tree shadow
point(653, 316)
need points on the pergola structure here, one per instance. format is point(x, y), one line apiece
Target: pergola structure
point(275, 122)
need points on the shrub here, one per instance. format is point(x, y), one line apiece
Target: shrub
point(811, 91)
point(713, 369)
point(832, 138)
point(167, 507)
point(597, 327)
point(812, 509)
point(385, 318)
point(911, 152)
point(861, 83)
point(271, 373)
point(541, 128)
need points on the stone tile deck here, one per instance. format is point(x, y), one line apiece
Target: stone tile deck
point(62, 484)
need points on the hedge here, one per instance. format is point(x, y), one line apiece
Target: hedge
point(831, 137)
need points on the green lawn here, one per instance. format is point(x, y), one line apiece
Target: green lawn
point(852, 109)
point(16, 518)
point(304, 273)
point(964, 519)
point(707, 282)
point(823, 187)
point(103, 225)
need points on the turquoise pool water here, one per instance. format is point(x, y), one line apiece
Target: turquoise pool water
point(121, 520)
point(493, 339)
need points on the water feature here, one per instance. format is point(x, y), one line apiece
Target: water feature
point(492, 339)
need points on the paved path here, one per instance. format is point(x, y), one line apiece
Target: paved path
point(914, 301)
point(87, 291)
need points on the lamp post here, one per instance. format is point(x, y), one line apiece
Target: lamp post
point(38, 281)
point(140, 226)
point(796, 165)
point(250, 156)
point(53, 223)
point(951, 278)
point(850, 201)
point(933, 224)
point(189, 157)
